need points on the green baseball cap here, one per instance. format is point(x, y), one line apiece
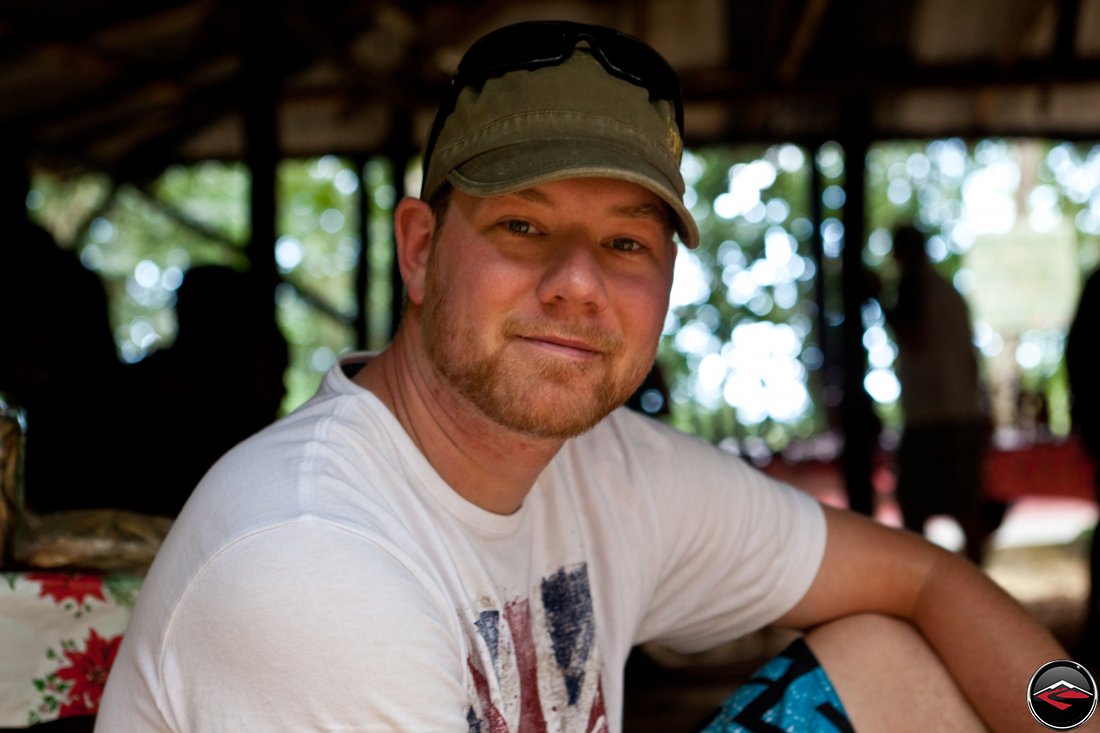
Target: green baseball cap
point(572, 119)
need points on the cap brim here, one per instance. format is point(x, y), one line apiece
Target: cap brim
point(522, 165)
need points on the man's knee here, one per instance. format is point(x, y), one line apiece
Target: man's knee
point(888, 678)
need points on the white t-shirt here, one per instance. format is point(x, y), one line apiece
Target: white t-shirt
point(323, 577)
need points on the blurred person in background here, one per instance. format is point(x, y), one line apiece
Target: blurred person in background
point(947, 427)
point(219, 382)
point(59, 364)
point(1083, 367)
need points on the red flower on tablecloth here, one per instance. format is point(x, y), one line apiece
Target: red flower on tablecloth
point(72, 709)
point(62, 586)
point(86, 674)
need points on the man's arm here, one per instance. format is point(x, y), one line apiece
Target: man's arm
point(302, 627)
point(988, 643)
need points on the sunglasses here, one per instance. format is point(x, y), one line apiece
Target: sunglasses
point(538, 44)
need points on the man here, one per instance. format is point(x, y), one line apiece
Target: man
point(1082, 360)
point(463, 533)
point(946, 422)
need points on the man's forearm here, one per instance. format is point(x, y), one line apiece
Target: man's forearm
point(989, 643)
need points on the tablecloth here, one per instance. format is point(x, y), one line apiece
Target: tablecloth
point(59, 633)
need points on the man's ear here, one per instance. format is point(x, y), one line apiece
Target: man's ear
point(414, 226)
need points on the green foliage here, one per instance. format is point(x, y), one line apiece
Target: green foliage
point(754, 266)
point(742, 348)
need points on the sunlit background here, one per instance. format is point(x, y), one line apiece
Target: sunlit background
point(1014, 224)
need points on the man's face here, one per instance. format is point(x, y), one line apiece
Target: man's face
point(543, 308)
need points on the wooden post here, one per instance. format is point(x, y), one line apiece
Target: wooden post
point(362, 272)
point(857, 417)
point(261, 128)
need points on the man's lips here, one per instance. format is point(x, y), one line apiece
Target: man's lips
point(579, 341)
point(564, 346)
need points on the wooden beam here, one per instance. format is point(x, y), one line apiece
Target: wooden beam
point(802, 39)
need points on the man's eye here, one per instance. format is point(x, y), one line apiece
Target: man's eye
point(623, 244)
point(518, 226)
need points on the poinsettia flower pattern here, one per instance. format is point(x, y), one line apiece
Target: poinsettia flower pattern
point(76, 687)
point(87, 671)
point(77, 619)
point(69, 591)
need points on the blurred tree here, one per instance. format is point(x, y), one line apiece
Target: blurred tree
point(741, 350)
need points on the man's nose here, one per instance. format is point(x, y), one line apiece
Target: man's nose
point(574, 277)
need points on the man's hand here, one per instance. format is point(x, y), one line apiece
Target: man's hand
point(988, 645)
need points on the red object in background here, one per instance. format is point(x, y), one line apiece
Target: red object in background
point(1052, 468)
point(1048, 468)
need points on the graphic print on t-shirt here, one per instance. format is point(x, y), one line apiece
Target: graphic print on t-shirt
point(539, 669)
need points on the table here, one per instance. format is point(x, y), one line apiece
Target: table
point(59, 633)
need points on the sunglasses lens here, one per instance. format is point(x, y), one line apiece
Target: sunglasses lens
point(529, 45)
point(630, 58)
point(545, 43)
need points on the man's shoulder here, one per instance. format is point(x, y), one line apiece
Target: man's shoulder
point(644, 456)
point(308, 551)
point(644, 438)
point(316, 483)
point(285, 565)
point(287, 604)
point(635, 450)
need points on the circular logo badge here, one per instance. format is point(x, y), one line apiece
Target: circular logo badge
point(1061, 695)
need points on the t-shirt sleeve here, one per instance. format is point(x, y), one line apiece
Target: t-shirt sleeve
point(310, 627)
point(728, 550)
